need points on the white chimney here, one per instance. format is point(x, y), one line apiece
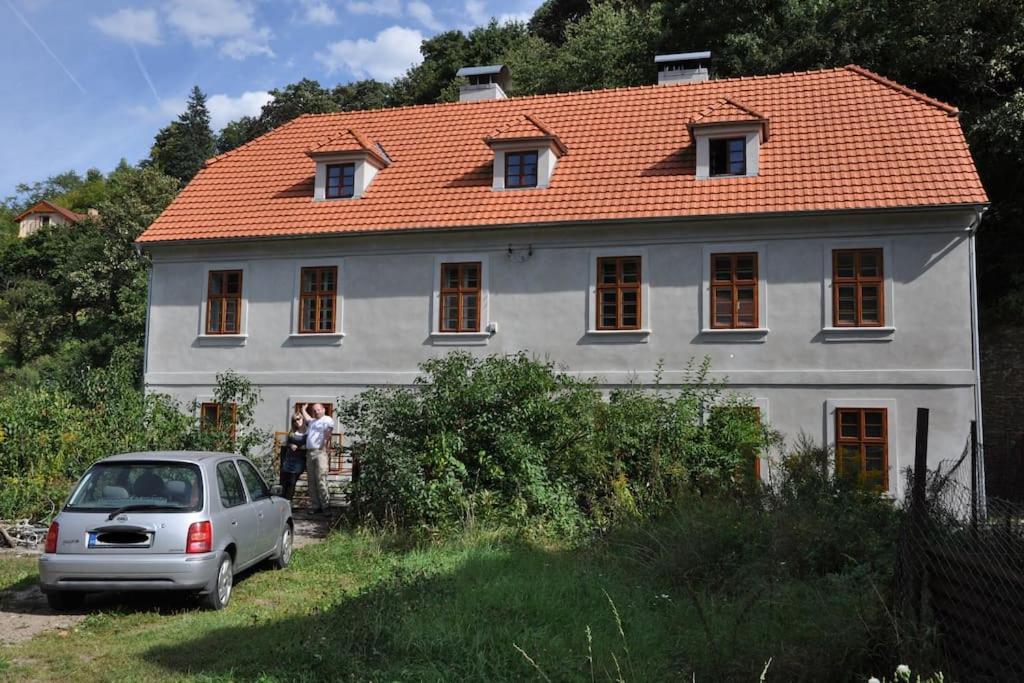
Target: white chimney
point(685, 67)
point(484, 82)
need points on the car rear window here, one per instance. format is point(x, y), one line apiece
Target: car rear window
point(113, 485)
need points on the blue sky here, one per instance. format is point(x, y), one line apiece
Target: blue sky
point(92, 82)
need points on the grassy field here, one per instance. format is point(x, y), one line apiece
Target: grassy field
point(371, 607)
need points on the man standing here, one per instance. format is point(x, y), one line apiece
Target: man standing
point(318, 440)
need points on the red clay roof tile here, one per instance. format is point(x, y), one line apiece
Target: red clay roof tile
point(46, 206)
point(842, 139)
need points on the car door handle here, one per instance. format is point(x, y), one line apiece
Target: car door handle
point(260, 515)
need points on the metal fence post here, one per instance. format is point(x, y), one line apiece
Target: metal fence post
point(974, 475)
point(918, 512)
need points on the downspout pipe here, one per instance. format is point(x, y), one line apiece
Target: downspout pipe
point(976, 348)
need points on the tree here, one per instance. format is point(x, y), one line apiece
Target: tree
point(180, 149)
point(305, 97)
point(366, 94)
point(236, 133)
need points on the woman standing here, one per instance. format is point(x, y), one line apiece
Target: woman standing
point(293, 456)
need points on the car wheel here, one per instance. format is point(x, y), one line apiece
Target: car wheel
point(284, 556)
point(218, 598)
point(65, 600)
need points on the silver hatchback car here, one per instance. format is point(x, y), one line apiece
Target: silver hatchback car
point(184, 521)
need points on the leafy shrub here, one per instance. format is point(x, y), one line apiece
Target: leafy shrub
point(509, 439)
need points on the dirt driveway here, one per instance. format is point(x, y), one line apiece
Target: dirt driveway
point(24, 613)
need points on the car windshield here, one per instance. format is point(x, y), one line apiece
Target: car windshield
point(168, 486)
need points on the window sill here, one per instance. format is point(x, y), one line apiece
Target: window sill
point(222, 339)
point(735, 334)
point(858, 334)
point(460, 338)
point(619, 336)
point(316, 338)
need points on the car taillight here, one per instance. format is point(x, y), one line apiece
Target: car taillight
point(51, 538)
point(200, 538)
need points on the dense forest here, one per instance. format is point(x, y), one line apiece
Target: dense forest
point(71, 298)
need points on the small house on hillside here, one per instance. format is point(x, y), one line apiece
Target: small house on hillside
point(42, 214)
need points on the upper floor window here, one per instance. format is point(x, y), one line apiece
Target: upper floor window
point(618, 293)
point(44, 220)
point(727, 156)
point(520, 169)
point(862, 447)
point(224, 302)
point(340, 181)
point(857, 288)
point(318, 300)
point(460, 297)
point(734, 284)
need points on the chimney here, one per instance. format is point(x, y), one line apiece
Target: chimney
point(685, 67)
point(484, 82)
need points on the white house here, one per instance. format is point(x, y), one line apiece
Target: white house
point(42, 214)
point(813, 233)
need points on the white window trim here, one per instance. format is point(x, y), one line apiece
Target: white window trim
point(547, 159)
point(487, 326)
point(240, 338)
point(891, 433)
point(884, 333)
point(318, 337)
point(645, 295)
point(753, 334)
point(761, 404)
point(750, 131)
point(363, 175)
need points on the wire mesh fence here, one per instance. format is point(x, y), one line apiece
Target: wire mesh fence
point(960, 578)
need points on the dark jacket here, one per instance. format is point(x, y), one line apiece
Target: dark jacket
point(294, 462)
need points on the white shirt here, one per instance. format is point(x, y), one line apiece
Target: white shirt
point(319, 432)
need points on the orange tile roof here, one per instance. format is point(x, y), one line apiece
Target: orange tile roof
point(526, 127)
point(842, 139)
point(349, 141)
point(46, 206)
point(726, 111)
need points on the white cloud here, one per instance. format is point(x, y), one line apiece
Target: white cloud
point(521, 17)
point(391, 8)
point(318, 12)
point(477, 11)
point(224, 108)
point(421, 12)
point(385, 57)
point(230, 21)
point(131, 26)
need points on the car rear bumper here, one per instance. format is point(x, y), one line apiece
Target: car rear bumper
point(93, 573)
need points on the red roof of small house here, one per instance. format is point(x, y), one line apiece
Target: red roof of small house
point(523, 128)
point(46, 206)
point(347, 142)
point(842, 139)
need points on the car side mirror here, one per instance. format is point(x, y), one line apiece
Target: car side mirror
point(276, 490)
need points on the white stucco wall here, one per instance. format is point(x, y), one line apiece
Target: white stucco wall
point(540, 299)
point(33, 222)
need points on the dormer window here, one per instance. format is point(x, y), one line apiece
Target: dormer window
point(525, 154)
point(340, 180)
point(728, 138)
point(728, 156)
point(521, 169)
point(345, 165)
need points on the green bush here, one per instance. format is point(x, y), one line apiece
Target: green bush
point(510, 440)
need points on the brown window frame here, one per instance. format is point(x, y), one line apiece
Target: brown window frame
point(222, 300)
point(735, 284)
point(341, 191)
point(461, 291)
point(619, 286)
point(519, 177)
point(756, 412)
point(862, 441)
point(318, 296)
point(217, 409)
point(858, 282)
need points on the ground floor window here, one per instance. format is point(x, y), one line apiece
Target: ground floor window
point(218, 417)
point(862, 446)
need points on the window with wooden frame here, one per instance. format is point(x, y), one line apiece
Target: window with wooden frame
point(734, 302)
point(520, 169)
point(862, 446)
point(745, 423)
point(727, 156)
point(341, 181)
point(218, 417)
point(858, 288)
point(460, 297)
point(618, 293)
point(224, 302)
point(318, 300)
